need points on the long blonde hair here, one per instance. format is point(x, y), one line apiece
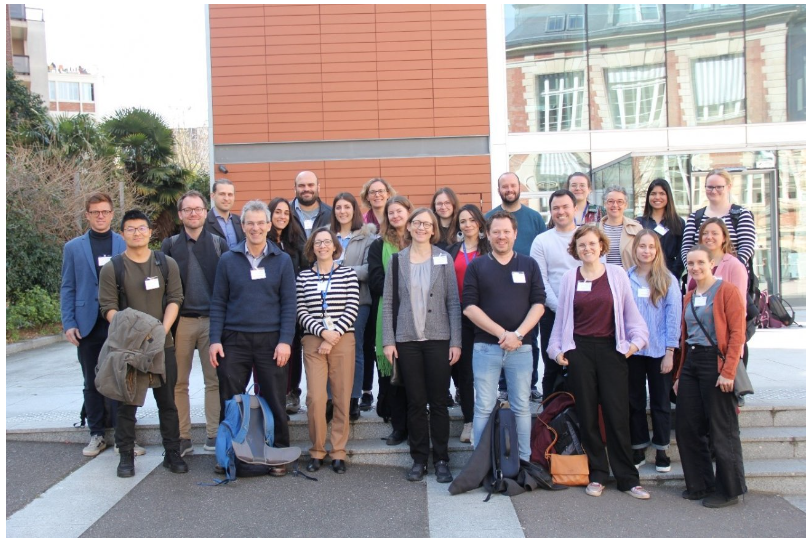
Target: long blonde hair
point(389, 232)
point(659, 277)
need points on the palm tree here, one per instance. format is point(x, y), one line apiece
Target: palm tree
point(146, 148)
point(76, 137)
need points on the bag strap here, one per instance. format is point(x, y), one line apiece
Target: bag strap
point(394, 268)
point(708, 336)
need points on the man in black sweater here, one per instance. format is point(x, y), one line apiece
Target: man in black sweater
point(197, 253)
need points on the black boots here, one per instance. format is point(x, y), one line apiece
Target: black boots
point(126, 467)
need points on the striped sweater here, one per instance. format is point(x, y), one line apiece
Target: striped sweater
point(743, 239)
point(342, 298)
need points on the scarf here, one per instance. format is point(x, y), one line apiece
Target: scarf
point(385, 368)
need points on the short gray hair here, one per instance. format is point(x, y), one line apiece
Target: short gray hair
point(615, 188)
point(256, 205)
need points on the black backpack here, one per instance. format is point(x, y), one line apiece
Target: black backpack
point(753, 291)
point(505, 448)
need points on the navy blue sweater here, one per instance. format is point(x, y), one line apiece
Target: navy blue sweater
point(242, 304)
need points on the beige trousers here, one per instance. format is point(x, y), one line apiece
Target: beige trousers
point(336, 368)
point(192, 333)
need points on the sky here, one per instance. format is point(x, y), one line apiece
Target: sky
point(147, 54)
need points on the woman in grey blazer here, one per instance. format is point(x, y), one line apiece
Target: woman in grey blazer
point(427, 340)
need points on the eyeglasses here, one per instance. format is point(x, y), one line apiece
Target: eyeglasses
point(195, 210)
point(717, 189)
point(131, 230)
point(251, 224)
point(421, 225)
point(615, 203)
point(443, 204)
point(97, 213)
point(374, 193)
point(324, 242)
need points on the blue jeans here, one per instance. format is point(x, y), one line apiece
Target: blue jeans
point(487, 362)
point(359, 358)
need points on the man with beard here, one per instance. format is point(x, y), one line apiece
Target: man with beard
point(529, 225)
point(310, 211)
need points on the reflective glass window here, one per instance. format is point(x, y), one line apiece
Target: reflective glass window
point(546, 68)
point(627, 66)
point(792, 225)
point(543, 174)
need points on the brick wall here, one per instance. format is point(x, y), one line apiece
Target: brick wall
point(320, 72)
point(416, 178)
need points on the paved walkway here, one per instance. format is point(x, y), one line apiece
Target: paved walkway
point(43, 391)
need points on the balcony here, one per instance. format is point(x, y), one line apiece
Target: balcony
point(21, 64)
point(16, 11)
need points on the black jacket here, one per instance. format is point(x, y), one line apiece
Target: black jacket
point(212, 225)
point(323, 218)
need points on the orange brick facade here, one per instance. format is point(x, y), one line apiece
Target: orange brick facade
point(282, 73)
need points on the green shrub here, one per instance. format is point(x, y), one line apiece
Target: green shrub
point(34, 308)
point(32, 259)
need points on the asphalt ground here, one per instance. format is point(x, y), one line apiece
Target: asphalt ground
point(375, 501)
point(32, 468)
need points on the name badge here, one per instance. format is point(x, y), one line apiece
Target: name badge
point(518, 277)
point(440, 259)
point(321, 286)
point(643, 292)
point(718, 277)
point(700, 301)
point(258, 274)
point(307, 224)
point(661, 230)
point(103, 260)
point(584, 286)
point(152, 283)
point(329, 324)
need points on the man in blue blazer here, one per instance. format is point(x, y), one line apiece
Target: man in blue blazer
point(81, 319)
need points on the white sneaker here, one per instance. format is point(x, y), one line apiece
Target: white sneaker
point(466, 433)
point(594, 489)
point(96, 445)
point(139, 451)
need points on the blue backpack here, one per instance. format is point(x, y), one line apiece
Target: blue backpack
point(244, 442)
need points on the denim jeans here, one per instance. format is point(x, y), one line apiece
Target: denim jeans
point(487, 362)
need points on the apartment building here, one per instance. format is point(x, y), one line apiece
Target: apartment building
point(25, 44)
point(453, 95)
point(71, 90)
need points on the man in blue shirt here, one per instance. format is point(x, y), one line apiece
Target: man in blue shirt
point(220, 220)
point(529, 225)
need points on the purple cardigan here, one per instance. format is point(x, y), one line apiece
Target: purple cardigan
point(628, 321)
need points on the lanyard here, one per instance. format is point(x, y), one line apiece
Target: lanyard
point(325, 305)
point(583, 214)
point(463, 247)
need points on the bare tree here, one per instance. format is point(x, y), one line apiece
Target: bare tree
point(191, 149)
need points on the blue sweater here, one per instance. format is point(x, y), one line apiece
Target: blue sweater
point(242, 304)
point(529, 225)
point(663, 320)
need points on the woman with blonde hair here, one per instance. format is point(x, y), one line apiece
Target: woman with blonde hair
point(657, 297)
point(375, 193)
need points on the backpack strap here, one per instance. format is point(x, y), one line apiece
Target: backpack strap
point(269, 422)
point(394, 268)
point(245, 424)
point(735, 214)
point(217, 247)
point(118, 267)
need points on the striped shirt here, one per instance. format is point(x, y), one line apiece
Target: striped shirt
point(614, 234)
point(342, 300)
point(743, 238)
point(663, 320)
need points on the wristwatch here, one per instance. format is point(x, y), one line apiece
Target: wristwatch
point(518, 335)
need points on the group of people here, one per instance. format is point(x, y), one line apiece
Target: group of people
point(430, 295)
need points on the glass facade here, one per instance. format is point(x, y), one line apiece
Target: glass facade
point(637, 66)
point(640, 67)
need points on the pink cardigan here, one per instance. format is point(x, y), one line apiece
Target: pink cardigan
point(630, 328)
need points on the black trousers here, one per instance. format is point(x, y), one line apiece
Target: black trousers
point(598, 375)
point(395, 397)
point(426, 371)
point(295, 372)
point(369, 349)
point(95, 403)
point(641, 369)
point(462, 373)
point(166, 411)
point(706, 414)
point(552, 369)
point(244, 352)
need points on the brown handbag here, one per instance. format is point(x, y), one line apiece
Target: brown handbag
point(568, 470)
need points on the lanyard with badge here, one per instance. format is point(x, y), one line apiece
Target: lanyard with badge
point(323, 289)
point(466, 257)
point(257, 273)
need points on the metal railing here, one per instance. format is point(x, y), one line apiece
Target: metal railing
point(21, 64)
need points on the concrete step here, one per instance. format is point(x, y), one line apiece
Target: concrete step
point(757, 443)
point(761, 416)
